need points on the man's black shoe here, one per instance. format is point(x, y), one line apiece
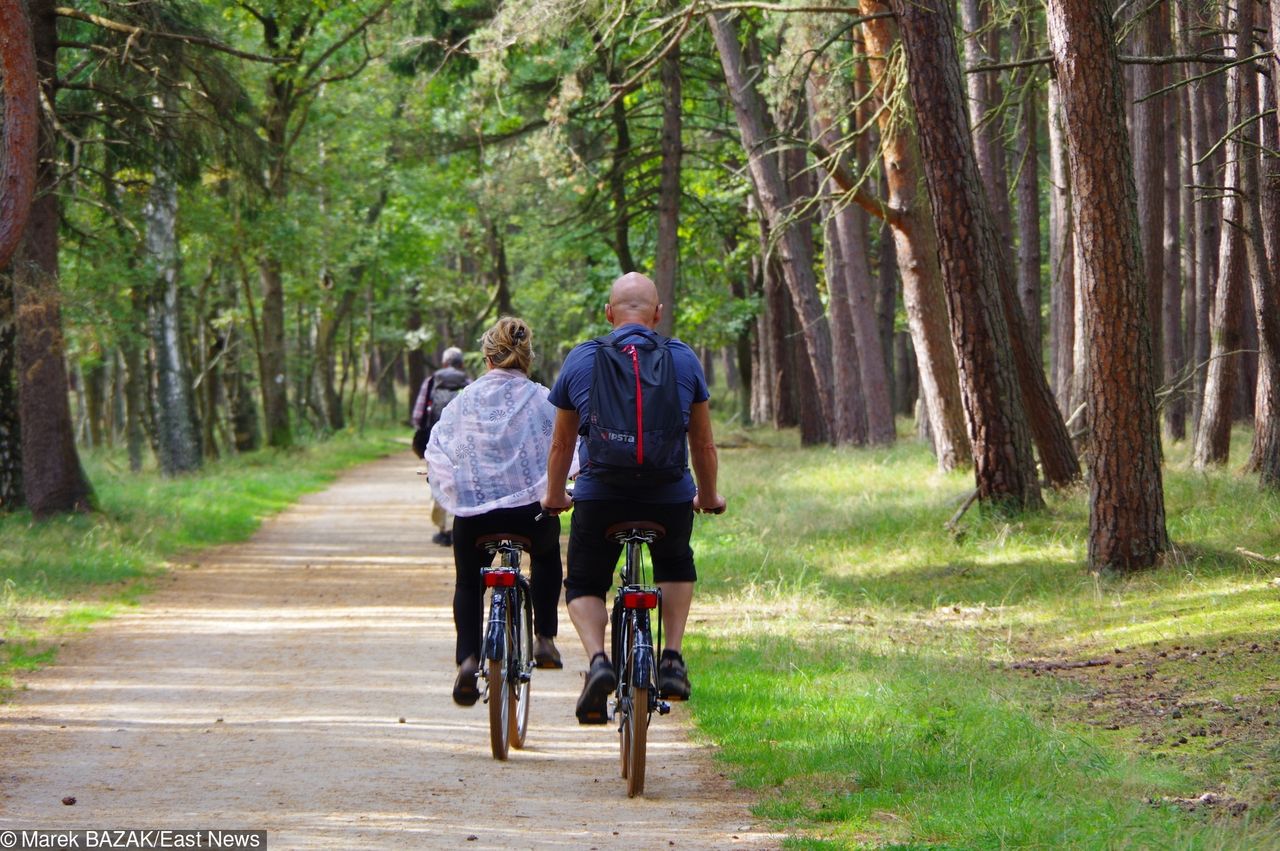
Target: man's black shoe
point(444, 539)
point(673, 677)
point(593, 703)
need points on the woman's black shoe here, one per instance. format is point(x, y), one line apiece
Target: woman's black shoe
point(466, 691)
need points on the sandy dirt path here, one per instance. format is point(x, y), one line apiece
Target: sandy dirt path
point(300, 683)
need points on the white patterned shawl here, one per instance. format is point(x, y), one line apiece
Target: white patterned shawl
point(489, 449)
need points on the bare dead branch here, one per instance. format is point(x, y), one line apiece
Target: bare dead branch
point(133, 32)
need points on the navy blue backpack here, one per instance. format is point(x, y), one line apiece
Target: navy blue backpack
point(635, 428)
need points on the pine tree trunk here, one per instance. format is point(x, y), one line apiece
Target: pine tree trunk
point(1173, 354)
point(12, 496)
point(887, 289)
point(906, 387)
point(1191, 246)
point(1126, 497)
point(53, 479)
point(855, 337)
point(1213, 437)
point(916, 249)
point(982, 45)
point(795, 252)
point(1062, 267)
point(667, 254)
point(970, 259)
point(1027, 169)
point(1148, 166)
point(1264, 260)
point(1208, 218)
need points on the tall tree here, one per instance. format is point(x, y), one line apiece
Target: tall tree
point(52, 476)
point(1264, 267)
point(1126, 497)
point(915, 240)
point(667, 255)
point(1213, 436)
point(21, 137)
point(970, 257)
point(852, 299)
point(176, 433)
point(294, 35)
point(1027, 171)
point(1062, 272)
point(1148, 164)
point(795, 252)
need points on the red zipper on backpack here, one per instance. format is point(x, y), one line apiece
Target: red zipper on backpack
point(635, 366)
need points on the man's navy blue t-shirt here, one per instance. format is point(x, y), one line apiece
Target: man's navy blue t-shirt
point(572, 391)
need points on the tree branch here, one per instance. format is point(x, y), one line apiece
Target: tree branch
point(132, 31)
point(364, 24)
point(845, 182)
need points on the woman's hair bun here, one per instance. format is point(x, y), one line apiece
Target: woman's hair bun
point(508, 344)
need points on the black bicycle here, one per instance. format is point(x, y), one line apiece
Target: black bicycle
point(508, 642)
point(634, 650)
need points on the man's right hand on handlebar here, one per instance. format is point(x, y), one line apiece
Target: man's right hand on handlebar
point(708, 505)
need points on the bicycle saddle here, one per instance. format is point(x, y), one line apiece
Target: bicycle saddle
point(496, 538)
point(622, 529)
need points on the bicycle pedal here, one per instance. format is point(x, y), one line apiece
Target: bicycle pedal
point(663, 707)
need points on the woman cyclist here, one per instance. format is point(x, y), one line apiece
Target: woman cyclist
point(487, 460)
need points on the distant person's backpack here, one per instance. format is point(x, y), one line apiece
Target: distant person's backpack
point(446, 384)
point(443, 386)
point(635, 428)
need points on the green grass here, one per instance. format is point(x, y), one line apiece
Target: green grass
point(852, 658)
point(63, 574)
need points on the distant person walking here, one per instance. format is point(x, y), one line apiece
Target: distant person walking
point(434, 396)
point(487, 461)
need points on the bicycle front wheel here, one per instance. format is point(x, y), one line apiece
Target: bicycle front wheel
point(522, 662)
point(635, 734)
point(500, 695)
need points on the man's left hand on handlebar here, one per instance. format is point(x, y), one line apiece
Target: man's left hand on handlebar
point(554, 503)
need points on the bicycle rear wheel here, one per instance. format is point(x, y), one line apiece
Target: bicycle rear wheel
point(635, 734)
point(500, 695)
point(522, 663)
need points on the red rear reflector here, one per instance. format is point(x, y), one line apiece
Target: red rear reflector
point(639, 600)
point(499, 578)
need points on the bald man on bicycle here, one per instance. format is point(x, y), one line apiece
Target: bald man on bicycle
point(620, 482)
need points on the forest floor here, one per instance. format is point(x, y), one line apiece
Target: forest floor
point(300, 683)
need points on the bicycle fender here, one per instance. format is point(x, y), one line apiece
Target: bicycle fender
point(495, 637)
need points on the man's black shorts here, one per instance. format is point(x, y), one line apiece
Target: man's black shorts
point(593, 558)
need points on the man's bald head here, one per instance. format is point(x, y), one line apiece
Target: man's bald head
point(633, 298)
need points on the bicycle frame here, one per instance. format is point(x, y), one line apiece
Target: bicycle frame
point(507, 644)
point(634, 653)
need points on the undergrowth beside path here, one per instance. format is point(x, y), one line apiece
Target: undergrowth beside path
point(66, 573)
point(881, 682)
